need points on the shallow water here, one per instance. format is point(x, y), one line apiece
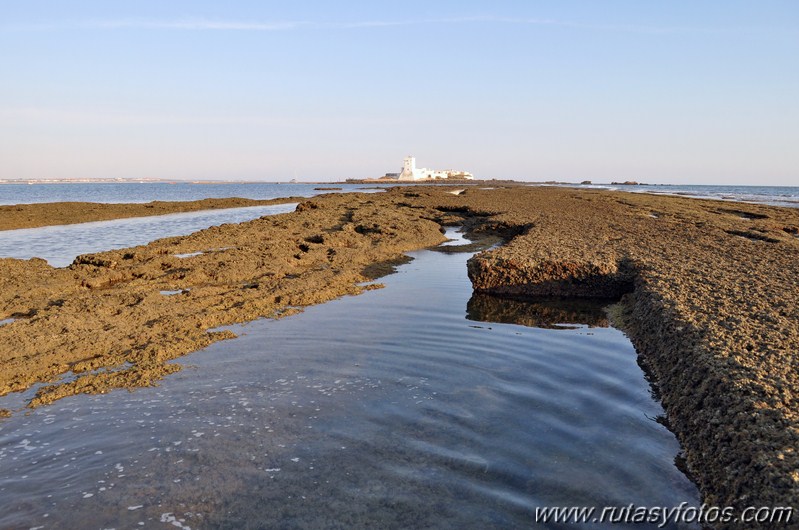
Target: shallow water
point(59, 245)
point(787, 196)
point(387, 410)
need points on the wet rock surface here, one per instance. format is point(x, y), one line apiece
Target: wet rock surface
point(713, 314)
point(548, 313)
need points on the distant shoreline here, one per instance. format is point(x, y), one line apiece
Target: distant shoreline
point(140, 191)
point(345, 181)
point(476, 181)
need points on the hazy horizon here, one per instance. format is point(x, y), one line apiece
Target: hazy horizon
point(675, 93)
point(135, 180)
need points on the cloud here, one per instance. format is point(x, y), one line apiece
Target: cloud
point(619, 28)
point(200, 24)
point(195, 25)
point(182, 24)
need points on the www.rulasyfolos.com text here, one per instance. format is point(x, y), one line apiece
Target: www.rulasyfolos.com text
point(662, 515)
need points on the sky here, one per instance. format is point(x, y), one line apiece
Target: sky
point(663, 92)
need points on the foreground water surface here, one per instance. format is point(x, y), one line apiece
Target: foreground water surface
point(413, 406)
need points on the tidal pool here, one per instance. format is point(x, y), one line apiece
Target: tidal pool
point(413, 406)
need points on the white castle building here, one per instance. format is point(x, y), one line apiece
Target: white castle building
point(411, 172)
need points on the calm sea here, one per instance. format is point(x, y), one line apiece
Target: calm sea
point(188, 191)
point(117, 192)
point(772, 195)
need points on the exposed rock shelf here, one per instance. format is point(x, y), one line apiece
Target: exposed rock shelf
point(710, 301)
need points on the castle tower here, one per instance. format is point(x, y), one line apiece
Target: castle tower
point(408, 169)
point(409, 164)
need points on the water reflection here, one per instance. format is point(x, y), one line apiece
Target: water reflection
point(386, 410)
point(548, 313)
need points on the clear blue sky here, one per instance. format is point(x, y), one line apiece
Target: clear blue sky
point(672, 92)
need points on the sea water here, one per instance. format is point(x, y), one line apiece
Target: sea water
point(787, 196)
point(140, 192)
point(60, 244)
